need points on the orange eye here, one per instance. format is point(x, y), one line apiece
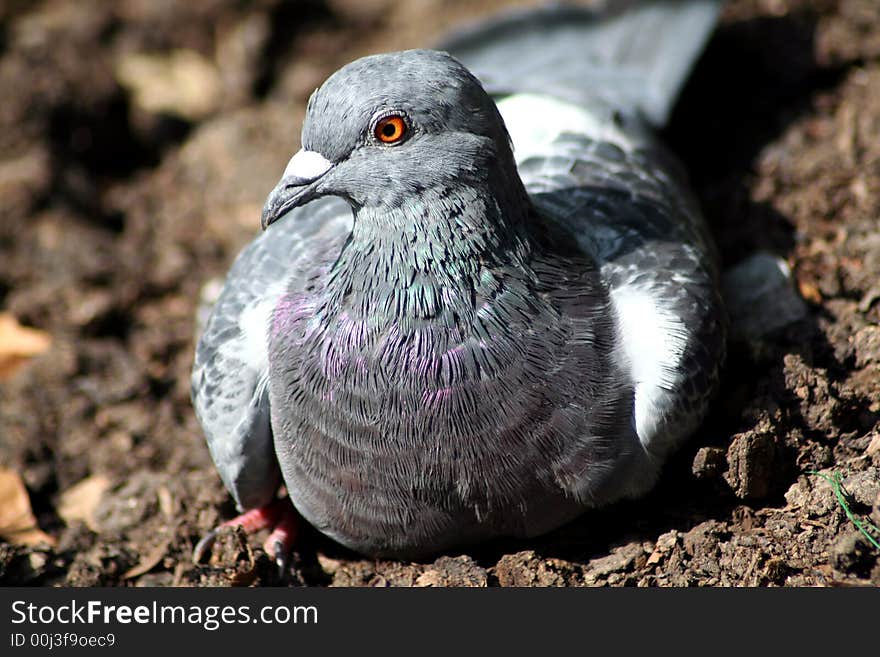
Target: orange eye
point(391, 129)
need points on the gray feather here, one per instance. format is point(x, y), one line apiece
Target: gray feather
point(230, 373)
point(634, 55)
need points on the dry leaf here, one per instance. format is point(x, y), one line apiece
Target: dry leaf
point(18, 344)
point(80, 501)
point(17, 522)
point(874, 446)
point(148, 561)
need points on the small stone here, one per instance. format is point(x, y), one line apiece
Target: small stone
point(37, 561)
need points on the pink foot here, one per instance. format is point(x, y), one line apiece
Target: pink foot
point(278, 515)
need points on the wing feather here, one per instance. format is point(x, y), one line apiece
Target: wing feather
point(230, 373)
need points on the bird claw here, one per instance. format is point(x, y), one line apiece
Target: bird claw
point(282, 558)
point(278, 515)
point(203, 547)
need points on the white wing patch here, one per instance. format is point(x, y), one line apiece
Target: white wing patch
point(652, 341)
point(535, 122)
point(253, 347)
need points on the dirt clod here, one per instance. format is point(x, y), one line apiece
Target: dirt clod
point(853, 554)
point(453, 571)
point(709, 463)
point(750, 465)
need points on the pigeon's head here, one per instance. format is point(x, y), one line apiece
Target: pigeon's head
point(386, 128)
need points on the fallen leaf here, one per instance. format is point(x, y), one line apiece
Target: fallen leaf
point(17, 521)
point(148, 561)
point(80, 501)
point(18, 344)
point(874, 445)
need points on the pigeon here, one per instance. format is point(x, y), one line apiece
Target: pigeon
point(484, 300)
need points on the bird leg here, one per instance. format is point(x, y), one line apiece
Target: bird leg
point(278, 515)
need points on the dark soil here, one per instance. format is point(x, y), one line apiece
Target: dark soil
point(114, 214)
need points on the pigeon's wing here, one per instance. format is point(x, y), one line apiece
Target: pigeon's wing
point(633, 55)
point(230, 374)
point(575, 88)
point(628, 209)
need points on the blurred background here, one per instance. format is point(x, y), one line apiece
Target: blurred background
point(138, 140)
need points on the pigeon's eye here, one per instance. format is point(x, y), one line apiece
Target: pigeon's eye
point(391, 129)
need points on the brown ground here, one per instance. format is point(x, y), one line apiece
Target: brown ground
point(114, 213)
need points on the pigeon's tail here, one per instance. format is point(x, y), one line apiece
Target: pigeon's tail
point(635, 55)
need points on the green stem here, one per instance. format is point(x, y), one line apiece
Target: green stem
point(841, 494)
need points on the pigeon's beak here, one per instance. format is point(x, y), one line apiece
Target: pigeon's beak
point(297, 185)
